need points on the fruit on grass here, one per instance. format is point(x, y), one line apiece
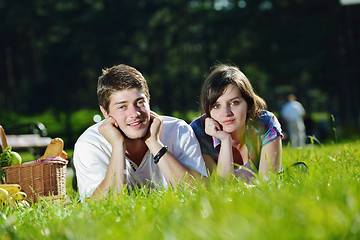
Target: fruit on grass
point(14, 200)
point(11, 188)
point(25, 203)
point(19, 196)
point(11, 202)
point(3, 194)
point(15, 158)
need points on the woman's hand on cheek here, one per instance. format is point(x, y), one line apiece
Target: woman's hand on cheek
point(109, 129)
point(213, 129)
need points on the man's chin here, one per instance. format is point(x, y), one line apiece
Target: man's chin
point(134, 136)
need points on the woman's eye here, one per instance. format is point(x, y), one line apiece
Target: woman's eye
point(121, 107)
point(216, 106)
point(236, 102)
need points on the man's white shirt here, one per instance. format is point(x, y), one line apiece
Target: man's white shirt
point(92, 154)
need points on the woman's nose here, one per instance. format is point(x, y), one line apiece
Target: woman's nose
point(227, 111)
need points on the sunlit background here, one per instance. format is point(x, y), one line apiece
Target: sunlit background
point(52, 53)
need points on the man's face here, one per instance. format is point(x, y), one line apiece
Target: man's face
point(130, 108)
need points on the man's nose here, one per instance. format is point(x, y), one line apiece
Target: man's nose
point(134, 110)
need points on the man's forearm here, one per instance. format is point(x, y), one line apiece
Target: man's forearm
point(115, 176)
point(174, 171)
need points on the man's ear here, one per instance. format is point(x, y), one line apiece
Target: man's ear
point(104, 112)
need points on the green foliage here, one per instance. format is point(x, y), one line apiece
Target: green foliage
point(66, 125)
point(69, 125)
point(323, 203)
point(53, 51)
point(189, 116)
point(5, 157)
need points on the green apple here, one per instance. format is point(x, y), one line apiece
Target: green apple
point(15, 158)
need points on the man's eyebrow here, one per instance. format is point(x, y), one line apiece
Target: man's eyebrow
point(140, 98)
point(121, 102)
point(125, 101)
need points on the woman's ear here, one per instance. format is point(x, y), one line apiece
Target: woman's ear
point(104, 112)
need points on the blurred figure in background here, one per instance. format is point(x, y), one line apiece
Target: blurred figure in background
point(292, 113)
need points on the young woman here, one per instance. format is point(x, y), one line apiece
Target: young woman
point(236, 132)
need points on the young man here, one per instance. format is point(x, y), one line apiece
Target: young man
point(133, 146)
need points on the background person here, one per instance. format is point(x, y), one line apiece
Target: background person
point(235, 127)
point(120, 150)
point(292, 112)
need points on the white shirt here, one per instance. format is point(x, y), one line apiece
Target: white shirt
point(292, 111)
point(92, 154)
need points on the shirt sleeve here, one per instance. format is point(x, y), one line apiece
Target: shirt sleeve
point(271, 128)
point(187, 149)
point(205, 140)
point(301, 109)
point(90, 162)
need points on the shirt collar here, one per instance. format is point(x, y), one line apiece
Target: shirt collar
point(216, 142)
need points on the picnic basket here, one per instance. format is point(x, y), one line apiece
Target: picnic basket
point(38, 179)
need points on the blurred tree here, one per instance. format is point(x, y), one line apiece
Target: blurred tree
point(53, 51)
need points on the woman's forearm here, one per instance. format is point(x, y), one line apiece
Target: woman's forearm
point(225, 165)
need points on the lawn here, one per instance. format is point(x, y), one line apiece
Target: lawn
point(322, 203)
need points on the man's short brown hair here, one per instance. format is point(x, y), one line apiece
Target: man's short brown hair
point(117, 78)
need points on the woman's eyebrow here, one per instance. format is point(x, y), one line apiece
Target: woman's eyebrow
point(235, 97)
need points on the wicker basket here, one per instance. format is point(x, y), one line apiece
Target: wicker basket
point(39, 179)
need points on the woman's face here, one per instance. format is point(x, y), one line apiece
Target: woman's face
point(230, 110)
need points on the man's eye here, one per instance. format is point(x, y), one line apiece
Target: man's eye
point(141, 102)
point(121, 107)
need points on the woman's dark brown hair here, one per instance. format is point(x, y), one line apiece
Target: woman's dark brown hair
point(217, 81)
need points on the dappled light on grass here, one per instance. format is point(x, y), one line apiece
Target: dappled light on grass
point(320, 203)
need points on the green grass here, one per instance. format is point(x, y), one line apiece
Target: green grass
point(323, 203)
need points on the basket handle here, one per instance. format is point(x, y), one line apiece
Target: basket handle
point(3, 138)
